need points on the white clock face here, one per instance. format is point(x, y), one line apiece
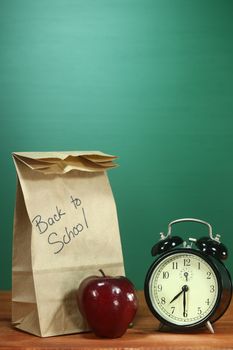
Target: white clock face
point(183, 289)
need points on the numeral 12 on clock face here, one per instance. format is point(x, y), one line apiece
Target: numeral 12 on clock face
point(183, 288)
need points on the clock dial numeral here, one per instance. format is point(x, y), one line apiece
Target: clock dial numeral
point(174, 265)
point(165, 274)
point(199, 310)
point(212, 289)
point(199, 265)
point(208, 275)
point(163, 301)
point(187, 262)
point(185, 314)
point(160, 287)
point(173, 309)
point(207, 301)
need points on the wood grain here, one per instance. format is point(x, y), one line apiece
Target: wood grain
point(143, 335)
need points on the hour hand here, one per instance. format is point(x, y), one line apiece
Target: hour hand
point(184, 289)
point(176, 296)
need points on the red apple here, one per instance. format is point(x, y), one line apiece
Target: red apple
point(108, 303)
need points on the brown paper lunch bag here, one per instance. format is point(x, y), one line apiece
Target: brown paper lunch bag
point(65, 229)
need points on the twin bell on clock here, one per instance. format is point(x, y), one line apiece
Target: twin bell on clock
point(188, 285)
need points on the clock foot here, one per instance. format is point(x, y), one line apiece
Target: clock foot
point(161, 325)
point(210, 327)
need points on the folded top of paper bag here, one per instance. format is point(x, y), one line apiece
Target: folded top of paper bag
point(63, 162)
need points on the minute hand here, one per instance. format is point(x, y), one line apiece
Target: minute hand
point(184, 303)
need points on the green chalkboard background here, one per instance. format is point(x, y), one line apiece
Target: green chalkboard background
point(148, 80)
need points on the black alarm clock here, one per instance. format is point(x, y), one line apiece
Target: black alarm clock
point(188, 286)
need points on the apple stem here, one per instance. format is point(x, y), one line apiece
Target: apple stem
point(102, 272)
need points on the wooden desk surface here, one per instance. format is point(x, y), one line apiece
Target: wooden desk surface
point(143, 335)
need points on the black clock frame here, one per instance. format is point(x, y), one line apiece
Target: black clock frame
point(224, 288)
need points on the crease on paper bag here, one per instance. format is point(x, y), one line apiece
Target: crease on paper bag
point(62, 162)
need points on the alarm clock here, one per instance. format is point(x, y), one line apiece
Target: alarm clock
point(188, 285)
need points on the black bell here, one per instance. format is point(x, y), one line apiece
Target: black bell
point(212, 247)
point(202, 244)
point(166, 244)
